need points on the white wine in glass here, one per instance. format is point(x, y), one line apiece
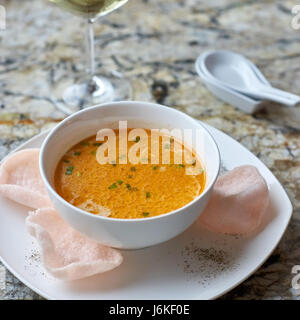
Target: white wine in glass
point(92, 88)
point(91, 9)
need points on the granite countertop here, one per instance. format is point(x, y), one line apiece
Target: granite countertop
point(155, 43)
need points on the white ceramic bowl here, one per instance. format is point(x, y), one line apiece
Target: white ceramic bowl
point(127, 233)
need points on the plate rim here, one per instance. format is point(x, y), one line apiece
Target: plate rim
point(289, 212)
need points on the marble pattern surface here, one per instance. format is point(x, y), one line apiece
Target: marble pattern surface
point(155, 43)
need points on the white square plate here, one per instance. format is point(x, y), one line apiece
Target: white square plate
point(177, 269)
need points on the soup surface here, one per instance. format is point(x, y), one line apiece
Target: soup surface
point(126, 191)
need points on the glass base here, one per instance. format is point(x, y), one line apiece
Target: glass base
point(87, 92)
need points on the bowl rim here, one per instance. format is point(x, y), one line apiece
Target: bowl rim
point(137, 220)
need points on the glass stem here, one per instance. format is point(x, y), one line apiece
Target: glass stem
point(90, 39)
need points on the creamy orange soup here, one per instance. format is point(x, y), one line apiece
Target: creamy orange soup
point(125, 190)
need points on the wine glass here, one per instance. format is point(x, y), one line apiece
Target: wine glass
point(91, 88)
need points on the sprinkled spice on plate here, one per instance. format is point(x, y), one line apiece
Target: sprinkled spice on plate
point(206, 263)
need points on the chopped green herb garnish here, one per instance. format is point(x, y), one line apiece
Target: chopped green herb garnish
point(148, 194)
point(113, 186)
point(69, 170)
point(76, 153)
point(145, 214)
point(137, 139)
point(133, 169)
point(120, 182)
point(79, 174)
point(180, 165)
point(66, 161)
point(84, 143)
point(97, 144)
point(155, 168)
point(128, 186)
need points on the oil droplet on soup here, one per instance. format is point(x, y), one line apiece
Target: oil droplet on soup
point(125, 190)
